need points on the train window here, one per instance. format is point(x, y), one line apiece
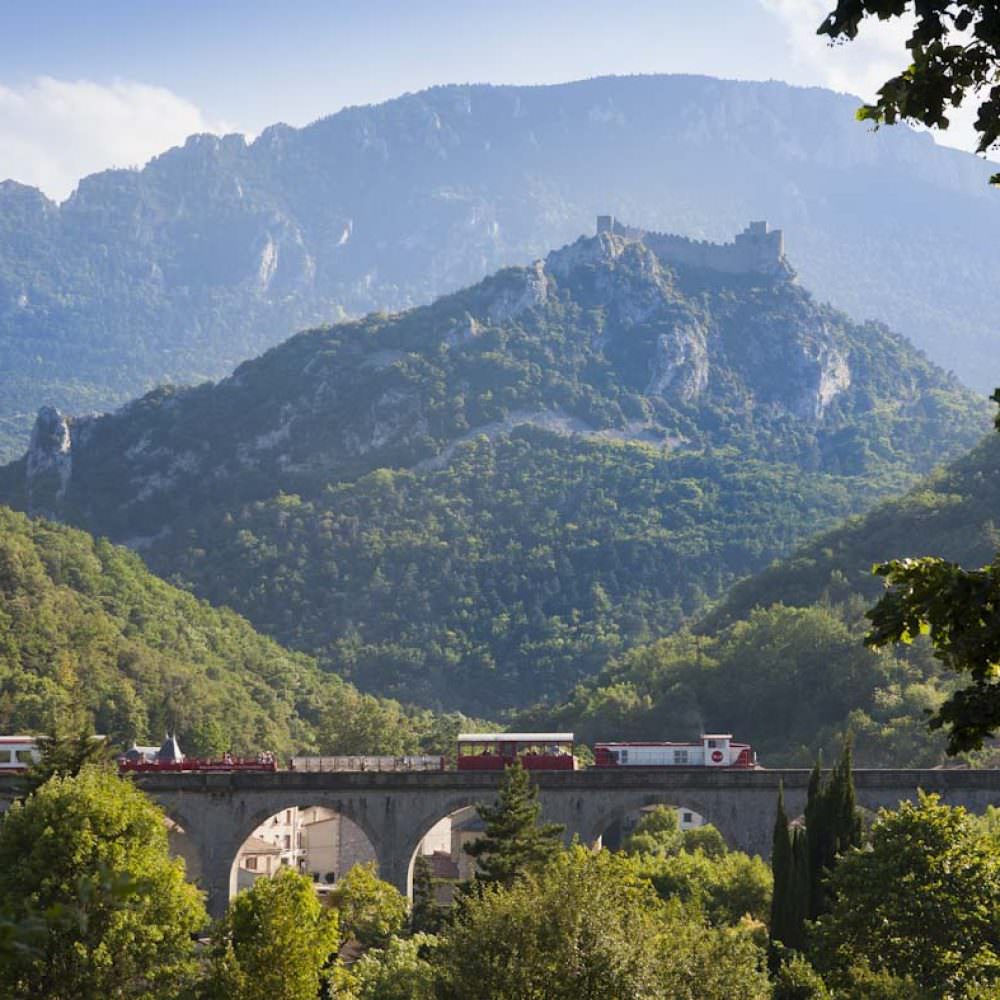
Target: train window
point(680, 756)
point(688, 818)
point(5, 756)
point(24, 756)
point(623, 756)
point(711, 744)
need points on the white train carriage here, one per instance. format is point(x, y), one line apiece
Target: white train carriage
point(17, 753)
point(714, 750)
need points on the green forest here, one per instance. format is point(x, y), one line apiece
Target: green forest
point(475, 504)
point(88, 634)
point(781, 658)
point(510, 574)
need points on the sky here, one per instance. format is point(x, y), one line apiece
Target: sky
point(86, 86)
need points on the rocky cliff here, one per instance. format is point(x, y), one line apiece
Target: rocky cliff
point(221, 248)
point(470, 503)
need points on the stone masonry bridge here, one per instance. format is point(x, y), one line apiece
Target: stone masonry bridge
point(218, 811)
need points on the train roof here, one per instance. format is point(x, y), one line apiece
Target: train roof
point(515, 737)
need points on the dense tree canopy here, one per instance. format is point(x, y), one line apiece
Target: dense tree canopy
point(97, 847)
point(922, 901)
point(275, 943)
point(959, 611)
point(370, 910)
point(402, 970)
point(90, 639)
point(587, 927)
point(790, 681)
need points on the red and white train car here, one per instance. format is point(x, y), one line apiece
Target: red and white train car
point(535, 751)
point(714, 750)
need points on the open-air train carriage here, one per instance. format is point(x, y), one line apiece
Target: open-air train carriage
point(536, 751)
point(369, 762)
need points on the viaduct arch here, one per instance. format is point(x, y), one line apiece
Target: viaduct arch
point(218, 811)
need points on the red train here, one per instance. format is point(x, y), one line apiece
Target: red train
point(475, 752)
point(554, 752)
point(168, 757)
point(536, 751)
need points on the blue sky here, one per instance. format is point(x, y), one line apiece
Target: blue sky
point(105, 83)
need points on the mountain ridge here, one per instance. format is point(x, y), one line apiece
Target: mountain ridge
point(219, 249)
point(639, 414)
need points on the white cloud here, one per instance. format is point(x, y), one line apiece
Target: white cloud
point(53, 132)
point(859, 67)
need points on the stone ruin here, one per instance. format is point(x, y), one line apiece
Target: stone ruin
point(756, 250)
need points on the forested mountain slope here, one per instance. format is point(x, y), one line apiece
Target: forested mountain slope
point(219, 249)
point(85, 626)
point(471, 503)
point(951, 513)
point(781, 660)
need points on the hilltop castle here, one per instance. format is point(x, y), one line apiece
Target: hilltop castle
point(757, 250)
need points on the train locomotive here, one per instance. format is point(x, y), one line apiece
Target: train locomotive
point(714, 750)
point(474, 752)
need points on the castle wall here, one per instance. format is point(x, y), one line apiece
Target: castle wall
point(755, 250)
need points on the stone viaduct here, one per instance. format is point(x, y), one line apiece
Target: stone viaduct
point(218, 811)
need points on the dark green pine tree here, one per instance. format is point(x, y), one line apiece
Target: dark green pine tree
point(64, 754)
point(833, 824)
point(426, 915)
point(790, 900)
point(781, 868)
point(816, 831)
point(513, 843)
point(801, 885)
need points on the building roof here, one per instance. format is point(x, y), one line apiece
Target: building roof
point(442, 865)
point(170, 750)
point(254, 845)
point(471, 824)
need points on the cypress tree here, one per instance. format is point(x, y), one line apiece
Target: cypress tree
point(781, 868)
point(844, 812)
point(790, 865)
point(833, 824)
point(801, 887)
point(513, 842)
point(816, 831)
